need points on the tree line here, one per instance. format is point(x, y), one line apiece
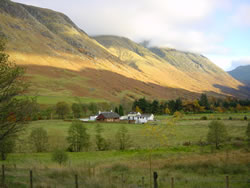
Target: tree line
point(204, 104)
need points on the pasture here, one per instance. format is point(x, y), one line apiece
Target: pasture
point(172, 149)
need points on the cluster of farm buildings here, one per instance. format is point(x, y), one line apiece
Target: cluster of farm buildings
point(132, 117)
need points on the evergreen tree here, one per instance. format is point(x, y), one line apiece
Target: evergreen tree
point(204, 101)
point(155, 107)
point(121, 113)
point(116, 110)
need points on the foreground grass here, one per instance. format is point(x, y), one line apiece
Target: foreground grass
point(126, 169)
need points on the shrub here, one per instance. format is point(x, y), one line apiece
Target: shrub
point(39, 139)
point(218, 118)
point(230, 118)
point(204, 118)
point(60, 156)
point(245, 118)
point(217, 133)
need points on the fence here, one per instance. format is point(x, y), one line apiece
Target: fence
point(78, 182)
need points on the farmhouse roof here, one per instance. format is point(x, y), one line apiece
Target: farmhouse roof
point(110, 115)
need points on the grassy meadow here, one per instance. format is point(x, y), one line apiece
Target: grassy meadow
point(171, 148)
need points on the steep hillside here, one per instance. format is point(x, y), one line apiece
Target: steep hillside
point(62, 60)
point(241, 73)
point(171, 67)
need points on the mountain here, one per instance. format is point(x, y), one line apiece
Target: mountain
point(62, 60)
point(170, 67)
point(241, 73)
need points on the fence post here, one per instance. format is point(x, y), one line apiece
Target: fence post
point(31, 179)
point(172, 182)
point(227, 182)
point(3, 175)
point(155, 180)
point(76, 181)
point(142, 180)
point(122, 180)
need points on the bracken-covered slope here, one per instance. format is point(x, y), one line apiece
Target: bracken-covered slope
point(62, 60)
point(241, 73)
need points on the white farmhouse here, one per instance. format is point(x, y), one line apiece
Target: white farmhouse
point(144, 118)
point(133, 116)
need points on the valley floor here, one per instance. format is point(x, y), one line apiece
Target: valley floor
point(172, 149)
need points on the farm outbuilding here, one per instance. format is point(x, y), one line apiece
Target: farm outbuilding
point(108, 117)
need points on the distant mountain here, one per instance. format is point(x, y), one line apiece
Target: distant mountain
point(62, 60)
point(241, 73)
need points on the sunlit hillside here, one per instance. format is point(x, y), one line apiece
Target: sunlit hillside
point(62, 60)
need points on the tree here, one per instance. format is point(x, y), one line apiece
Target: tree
point(217, 133)
point(155, 107)
point(121, 113)
point(93, 108)
point(137, 109)
point(59, 156)
point(204, 101)
point(14, 112)
point(78, 137)
point(62, 109)
point(76, 109)
point(167, 111)
point(116, 110)
point(39, 139)
point(101, 143)
point(123, 138)
point(6, 146)
point(248, 134)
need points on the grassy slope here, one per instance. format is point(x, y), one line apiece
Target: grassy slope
point(47, 39)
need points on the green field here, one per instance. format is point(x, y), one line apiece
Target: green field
point(191, 165)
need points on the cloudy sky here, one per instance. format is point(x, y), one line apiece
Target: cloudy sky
point(219, 29)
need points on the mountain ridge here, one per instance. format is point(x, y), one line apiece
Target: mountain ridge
point(40, 38)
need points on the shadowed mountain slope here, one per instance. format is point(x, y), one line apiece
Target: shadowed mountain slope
point(48, 42)
point(241, 73)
